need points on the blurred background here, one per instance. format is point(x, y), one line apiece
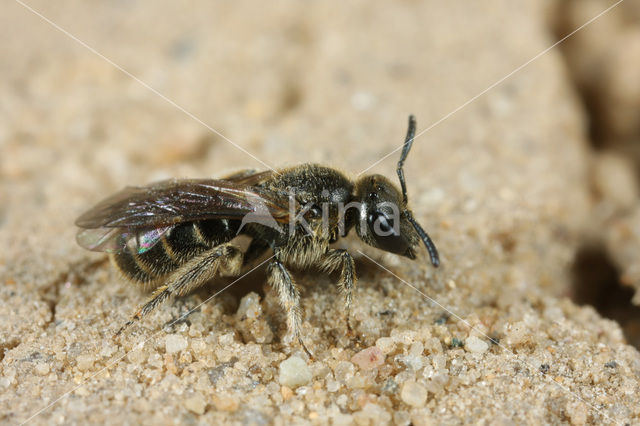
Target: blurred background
point(526, 175)
point(603, 69)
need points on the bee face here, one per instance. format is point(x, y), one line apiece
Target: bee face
point(384, 222)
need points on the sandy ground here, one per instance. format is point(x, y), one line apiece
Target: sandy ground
point(504, 186)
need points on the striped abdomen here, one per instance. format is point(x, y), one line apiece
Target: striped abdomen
point(181, 243)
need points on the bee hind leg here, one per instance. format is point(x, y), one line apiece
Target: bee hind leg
point(190, 276)
point(280, 279)
point(340, 259)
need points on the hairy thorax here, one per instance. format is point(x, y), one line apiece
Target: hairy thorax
point(304, 251)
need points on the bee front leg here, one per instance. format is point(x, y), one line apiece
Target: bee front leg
point(280, 279)
point(341, 259)
point(190, 276)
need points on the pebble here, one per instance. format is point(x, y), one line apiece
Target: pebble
point(174, 343)
point(333, 386)
point(137, 356)
point(433, 345)
point(249, 307)
point(404, 337)
point(286, 392)
point(413, 362)
point(344, 370)
point(84, 362)
point(475, 344)
point(42, 369)
point(413, 394)
point(294, 372)
point(369, 358)
point(517, 333)
point(195, 403)
point(372, 414)
point(386, 344)
point(225, 403)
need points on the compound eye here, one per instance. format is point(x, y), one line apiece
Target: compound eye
point(381, 224)
point(385, 235)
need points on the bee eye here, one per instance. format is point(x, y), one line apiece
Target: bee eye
point(385, 235)
point(380, 222)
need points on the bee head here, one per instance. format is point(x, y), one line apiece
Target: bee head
point(385, 220)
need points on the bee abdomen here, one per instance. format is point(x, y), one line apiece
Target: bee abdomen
point(180, 244)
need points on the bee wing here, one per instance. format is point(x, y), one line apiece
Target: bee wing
point(115, 240)
point(248, 177)
point(167, 203)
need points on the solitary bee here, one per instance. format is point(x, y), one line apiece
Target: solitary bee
point(175, 235)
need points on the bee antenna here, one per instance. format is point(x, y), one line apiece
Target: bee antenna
point(428, 243)
point(408, 141)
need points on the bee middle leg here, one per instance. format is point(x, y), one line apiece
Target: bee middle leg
point(192, 275)
point(280, 279)
point(341, 259)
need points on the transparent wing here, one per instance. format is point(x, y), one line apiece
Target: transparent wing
point(170, 202)
point(115, 240)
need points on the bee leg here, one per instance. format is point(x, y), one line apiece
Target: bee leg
point(281, 280)
point(191, 275)
point(341, 259)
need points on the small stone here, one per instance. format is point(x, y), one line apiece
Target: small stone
point(84, 362)
point(433, 345)
point(294, 372)
point(413, 394)
point(82, 391)
point(369, 358)
point(386, 345)
point(476, 345)
point(390, 386)
point(342, 400)
point(42, 369)
point(456, 343)
point(195, 404)
point(344, 370)
point(340, 419)
point(578, 413)
point(372, 414)
point(286, 392)
point(333, 386)
point(356, 382)
point(137, 356)
point(225, 403)
point(517, 333)
point(416, 349)
point(174, 343)
point(404, 337)
point(415, 363)
point(249, 307)
point(108, 350)
point(169, 364)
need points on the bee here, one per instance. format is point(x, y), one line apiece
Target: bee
point(175, 235)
